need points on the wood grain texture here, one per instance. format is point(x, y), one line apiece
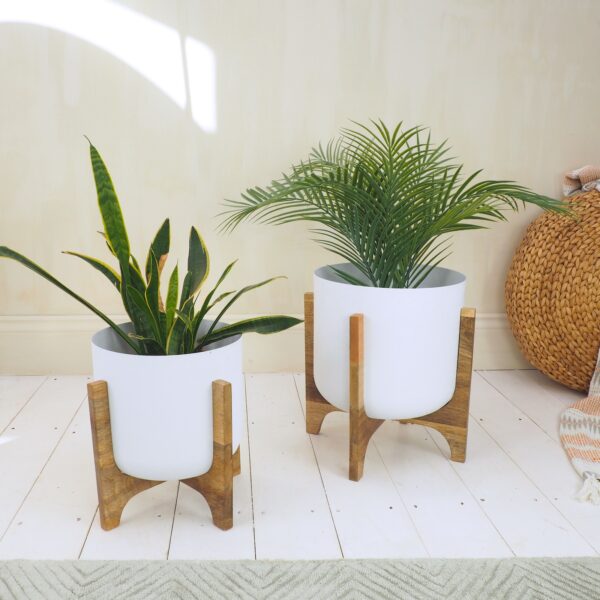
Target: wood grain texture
point(452, 420)
point(317, 407)
point(362, 427)
point(217, 484)
point(115, 488)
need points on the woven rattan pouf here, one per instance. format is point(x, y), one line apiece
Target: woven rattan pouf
point(553, 293)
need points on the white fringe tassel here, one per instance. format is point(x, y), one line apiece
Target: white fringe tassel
point(590, 491)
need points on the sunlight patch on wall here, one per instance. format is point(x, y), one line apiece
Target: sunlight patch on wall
point(202, 76)
point(149, 47)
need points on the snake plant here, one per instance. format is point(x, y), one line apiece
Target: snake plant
point(384, 200)
point(160, 327)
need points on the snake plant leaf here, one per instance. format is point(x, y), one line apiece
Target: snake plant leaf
point(110, 209)
point(157, 329)
point(152, 296)
point(159, 247)
point(137, 317)
point(229, 304)
point(6, 252)
point(172, 293)
point(101, 266)
point(263, 325)
point(186, 319)
point(133, 263)
point(207, 304)
point(151, 320)
point(110, 249)
point(150, 345)
point(198, 266)
point(176, 333)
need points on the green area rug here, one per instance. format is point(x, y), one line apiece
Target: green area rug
point(500, 579)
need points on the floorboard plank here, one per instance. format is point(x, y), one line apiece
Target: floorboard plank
point(369, 515)
point(144, 532)
point(15, 392)
point(541, 399)
point(29, 440)
point(525, 518)
point(195, 537)
point(538, 455)
point(449, 520)
point(291, 512)
point(513, 495)
point(56, 515)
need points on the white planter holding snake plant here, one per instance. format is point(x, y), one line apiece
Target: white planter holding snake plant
point(161, 406)
point(410, 341)
point(160, 367)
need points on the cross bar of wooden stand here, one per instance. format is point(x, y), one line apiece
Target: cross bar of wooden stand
point(115, 488)
point(451, 420)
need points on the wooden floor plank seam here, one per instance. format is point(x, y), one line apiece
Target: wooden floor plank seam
point(500, 407)
point(37, 389)
point(337, 534)
point(62, 435)
point(549, 498)
point(250, 468)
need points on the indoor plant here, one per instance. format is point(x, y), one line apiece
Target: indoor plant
point(384, 200)
point(160, 366)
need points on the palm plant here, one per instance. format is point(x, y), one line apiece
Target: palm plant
point(159, 328)
point(384, 200)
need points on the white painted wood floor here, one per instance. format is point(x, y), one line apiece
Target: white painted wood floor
point(513, 496)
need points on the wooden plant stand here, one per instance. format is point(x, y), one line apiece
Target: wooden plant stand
point(452, 420)
point(115, 488)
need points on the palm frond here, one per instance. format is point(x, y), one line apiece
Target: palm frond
point(384, 200)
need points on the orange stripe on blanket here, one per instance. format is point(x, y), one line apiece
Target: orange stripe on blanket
point(580, 439)
point(589, 405)
point(591, 455)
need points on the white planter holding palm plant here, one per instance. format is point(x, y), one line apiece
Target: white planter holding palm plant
point(410, 336)
point(386, 200)
point(161, 406)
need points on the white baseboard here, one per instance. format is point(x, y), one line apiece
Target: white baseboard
point(32, 345)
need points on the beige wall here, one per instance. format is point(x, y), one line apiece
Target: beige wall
point(511, 83)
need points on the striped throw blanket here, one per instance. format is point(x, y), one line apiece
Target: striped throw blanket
point(580, 435)
point(580, 180)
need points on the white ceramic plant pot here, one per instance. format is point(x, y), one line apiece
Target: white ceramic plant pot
point(410, 341)
point(161, 406)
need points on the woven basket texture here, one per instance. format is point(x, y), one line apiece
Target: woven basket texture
point(552, 293)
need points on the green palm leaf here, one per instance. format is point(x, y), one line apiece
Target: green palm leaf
point(384, 200)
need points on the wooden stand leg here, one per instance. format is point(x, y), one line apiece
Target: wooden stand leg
point(115, 488)
point(317, 408)
point(217, 485)
point(362, 427)
point(452, 420)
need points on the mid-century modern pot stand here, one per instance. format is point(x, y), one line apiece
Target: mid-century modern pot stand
point(452, 420)
point(115, 488)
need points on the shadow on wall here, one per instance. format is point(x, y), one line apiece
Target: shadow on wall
point(184, 69)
